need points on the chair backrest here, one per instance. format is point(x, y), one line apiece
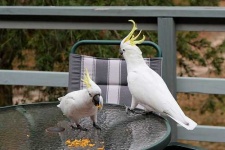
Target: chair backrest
point(109, 73)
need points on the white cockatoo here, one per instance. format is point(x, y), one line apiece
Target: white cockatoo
point(148, 88)
point(82, 103)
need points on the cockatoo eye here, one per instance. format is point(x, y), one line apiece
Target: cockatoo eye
point(90, 94)
point(123, 50)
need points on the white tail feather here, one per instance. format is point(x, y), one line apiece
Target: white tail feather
point(60, 98)
point(191, 124)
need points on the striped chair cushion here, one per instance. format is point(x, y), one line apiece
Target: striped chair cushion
point(110, 74)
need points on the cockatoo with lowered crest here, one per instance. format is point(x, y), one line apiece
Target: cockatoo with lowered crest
point(146, 86)
point(82, 103)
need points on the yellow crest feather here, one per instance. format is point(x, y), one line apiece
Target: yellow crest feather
point(87, 79)
point(130, 37)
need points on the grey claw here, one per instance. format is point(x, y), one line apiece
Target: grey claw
point(127, 109)
point(147, 113)
point(96, 126)
point(79, 128)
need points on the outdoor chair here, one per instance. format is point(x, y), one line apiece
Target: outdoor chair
point(109, 73)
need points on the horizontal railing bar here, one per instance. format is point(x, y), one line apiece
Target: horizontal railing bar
point(110, 17)
point(200, 27)
point(120, 11)
point(201, 85)
point(34, 78)
point(202, 133)
point(72, 25)
point(60, 79)
point(100, 26)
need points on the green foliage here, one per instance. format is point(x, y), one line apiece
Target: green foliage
point(212, 103)
point(87, 3)
point(203, 2)
point(53, 50)
point(108, 3)
point(200, 52)
point(208, 106)
point(12, 43)
point(189, 46)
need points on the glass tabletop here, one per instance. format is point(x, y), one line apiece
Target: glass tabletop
point(24, 127)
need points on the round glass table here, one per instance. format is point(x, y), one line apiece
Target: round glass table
point(25, 127)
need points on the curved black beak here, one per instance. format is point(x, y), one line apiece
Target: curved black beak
point(96, 99)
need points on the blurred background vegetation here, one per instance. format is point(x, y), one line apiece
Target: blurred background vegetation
point(48, 50)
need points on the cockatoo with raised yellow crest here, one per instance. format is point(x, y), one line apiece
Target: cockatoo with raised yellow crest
point(82, 103)
point(146, 86)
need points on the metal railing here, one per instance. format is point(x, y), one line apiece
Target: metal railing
point(165, 20)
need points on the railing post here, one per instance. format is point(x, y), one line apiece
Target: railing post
point(167, 42)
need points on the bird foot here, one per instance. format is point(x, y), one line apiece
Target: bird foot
point(128, 109)
point(96, 126)
point(78, 127)
point(146, 113)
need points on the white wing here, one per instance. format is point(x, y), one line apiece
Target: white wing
point(71, 101)
point(150, 89)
